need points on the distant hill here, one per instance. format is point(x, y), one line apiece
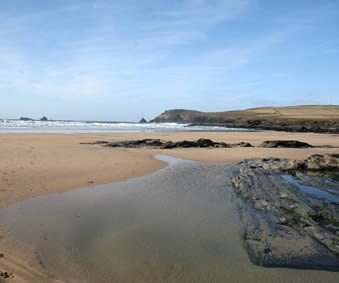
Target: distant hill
point(304, 118)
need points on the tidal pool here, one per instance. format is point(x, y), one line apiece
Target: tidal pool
point(312, 190)
point(178, 224)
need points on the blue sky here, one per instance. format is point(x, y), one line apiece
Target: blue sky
point(127, 59)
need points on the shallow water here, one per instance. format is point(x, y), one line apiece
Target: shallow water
point(312, 190)
point(176, 225)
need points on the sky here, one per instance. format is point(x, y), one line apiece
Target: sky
point(126, 59)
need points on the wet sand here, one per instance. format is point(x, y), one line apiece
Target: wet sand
point(177, 225)
point(37, 164)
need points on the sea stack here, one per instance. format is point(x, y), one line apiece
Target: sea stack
point(44, 119)
point(143, 121)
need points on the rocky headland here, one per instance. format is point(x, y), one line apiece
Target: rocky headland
point(290, 217)
point(311, 118)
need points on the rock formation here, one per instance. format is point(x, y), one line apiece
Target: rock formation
point(312, 118)
point(142, 121)
point(284, 143)
point(289, 221)
point(44, 119)
point(180, 144)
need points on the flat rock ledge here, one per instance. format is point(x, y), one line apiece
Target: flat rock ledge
point(289, 220)
point(285, 144)
point(157, 143)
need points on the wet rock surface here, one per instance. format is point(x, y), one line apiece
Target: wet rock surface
point(288, 220)
point(157, 143)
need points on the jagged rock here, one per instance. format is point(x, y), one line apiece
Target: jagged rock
point(26, 119)
point(44, 119)
point(283, 143)
point(142, 121)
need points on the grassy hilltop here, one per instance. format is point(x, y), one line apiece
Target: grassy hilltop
point(304, 118)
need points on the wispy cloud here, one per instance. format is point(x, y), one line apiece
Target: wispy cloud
point(91, 60)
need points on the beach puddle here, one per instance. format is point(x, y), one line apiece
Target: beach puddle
point(178, 224)
point(319, 193)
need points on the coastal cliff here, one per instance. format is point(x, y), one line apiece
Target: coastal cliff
point(309, 118)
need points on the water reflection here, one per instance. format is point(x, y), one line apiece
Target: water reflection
point(176, 225)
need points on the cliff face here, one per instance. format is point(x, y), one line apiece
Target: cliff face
point(312, 118)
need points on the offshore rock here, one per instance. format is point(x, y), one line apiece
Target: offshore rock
point(44, 119)
point(143, 121)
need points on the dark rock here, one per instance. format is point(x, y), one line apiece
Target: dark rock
point(168, 145)
point(136, 143)
point(243, 144)
point(96, 142)
point(283, 225)
point(26, 119)
point(201, 143)
point(283, 143)
point(44, 119)
point(142, 121)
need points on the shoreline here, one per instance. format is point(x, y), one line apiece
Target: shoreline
point(37, 164)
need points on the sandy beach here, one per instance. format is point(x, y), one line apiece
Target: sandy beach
point(36, 164)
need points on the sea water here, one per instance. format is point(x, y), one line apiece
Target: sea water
point(176, 225)
point(20, 126)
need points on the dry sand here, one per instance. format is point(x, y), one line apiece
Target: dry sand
point(35, 164)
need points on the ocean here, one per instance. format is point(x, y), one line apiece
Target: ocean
point(70, 127)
